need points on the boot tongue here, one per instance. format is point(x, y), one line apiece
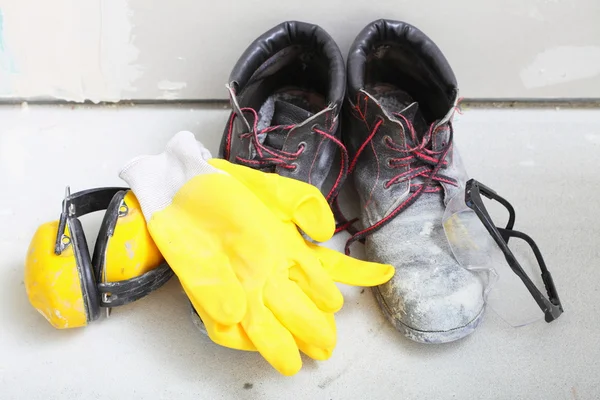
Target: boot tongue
point(285, 114)
point(399, 102)
point(414, 116)
point(289, 114)
point(410, 111)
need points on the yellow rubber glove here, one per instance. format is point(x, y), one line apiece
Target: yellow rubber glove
point(310, 216)
point(240, 265)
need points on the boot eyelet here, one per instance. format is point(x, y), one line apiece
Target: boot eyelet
point(389, 162)
point(301, 147)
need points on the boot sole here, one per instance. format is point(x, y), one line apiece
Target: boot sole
point(428, 337)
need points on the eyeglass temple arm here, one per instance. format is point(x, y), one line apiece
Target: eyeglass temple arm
point(490, 194)
point(554, 309)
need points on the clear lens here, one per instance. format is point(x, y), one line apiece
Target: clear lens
point(475, 249)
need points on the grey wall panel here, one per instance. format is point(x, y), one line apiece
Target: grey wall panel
point(184, 49)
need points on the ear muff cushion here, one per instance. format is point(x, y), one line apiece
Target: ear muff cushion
point(52, 282)
point(130, 252)
point(84, 265)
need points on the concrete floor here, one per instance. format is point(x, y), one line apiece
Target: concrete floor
point(544, 161)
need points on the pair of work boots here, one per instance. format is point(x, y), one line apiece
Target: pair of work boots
point(384, 120)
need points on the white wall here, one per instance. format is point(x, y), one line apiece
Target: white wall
point(109, 50)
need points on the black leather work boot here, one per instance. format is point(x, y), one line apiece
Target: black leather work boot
point(286, 91)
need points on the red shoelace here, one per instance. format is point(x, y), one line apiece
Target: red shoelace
point(268, 157)
point(422, 161)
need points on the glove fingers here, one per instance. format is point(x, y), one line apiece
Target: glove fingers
point(313, 279)
point(232, 336)
point(313, 215)
point(275, 343)
point(315, 352)
point(351, 271)
point(295, 310)
point(290, 199)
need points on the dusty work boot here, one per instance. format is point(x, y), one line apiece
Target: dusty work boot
point(286, 92)
point(401, 98)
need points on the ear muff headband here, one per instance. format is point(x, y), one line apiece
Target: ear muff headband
point(113, 294)
point(84, 267)
point(116, 294)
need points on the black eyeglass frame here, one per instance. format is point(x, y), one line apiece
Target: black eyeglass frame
point(551, 305)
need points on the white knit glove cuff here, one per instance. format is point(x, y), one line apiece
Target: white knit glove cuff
point(155, 179)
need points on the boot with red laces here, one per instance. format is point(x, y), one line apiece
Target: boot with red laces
point(401, 97)
point(286, 93)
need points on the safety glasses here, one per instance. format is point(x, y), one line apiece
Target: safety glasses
point(482, 247)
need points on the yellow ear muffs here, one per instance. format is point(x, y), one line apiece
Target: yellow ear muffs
point(67, 286)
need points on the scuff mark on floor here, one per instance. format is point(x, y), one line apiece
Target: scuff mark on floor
point(592, 138)
point(527, 163)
